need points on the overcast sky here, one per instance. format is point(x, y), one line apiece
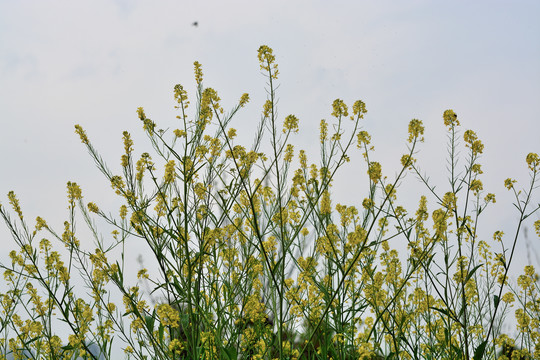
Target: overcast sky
point(93, 63)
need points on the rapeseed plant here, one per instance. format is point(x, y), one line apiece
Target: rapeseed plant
point(255, 261)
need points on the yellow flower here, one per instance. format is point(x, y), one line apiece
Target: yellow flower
point(168, 316)
point(471, 140)
point(140, 113)
point(142, 274)
point(476, 186)
point(180, 95)
point(363, 139)
point(82, 134)
point(523, 320)
point(303, 159)
point(537, 227)
point(124, 160)
point(390, 191)
point(209, 104)
point(148, 124)
point(529, 270)
point(508, 298)
point(117, 183)
point(244, 99)
point(93, 207)
point(477, 169)
point(359, 108)
point(179, 133)
point(198, 72)
point(324, 130)
point(175, 346)
point(200, 190)
point(267, 108)
point(123, 211)
point(340, 109)
point(267, 61)
point(375, 171)
point(290, 124)
point(40, 223)
point(289, 153)
point(357, 237)
point(74, 191)
point(128, 143)
point(469, 136)
point(449, 201)
point(509, 183)
point(450, 118)
point(325, 203)
point(407, 160)
point(477, 147)
point(161, 204)
point(533, 161)
point(170, 172)
point(524, 281)
point(368, 203)
point(144, 163)
point(416, 129)
point(15, 204)
point(421, 213)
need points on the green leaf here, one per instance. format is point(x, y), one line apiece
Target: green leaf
point(496, 300)
point(150, 322)
point(161, 330)
point(469, 230)
point(120, 275)
point(471, 273)
point(444, 312)
point(479, 352)
point(229, 353)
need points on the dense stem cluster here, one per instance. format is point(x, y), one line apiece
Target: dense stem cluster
point(253, 260)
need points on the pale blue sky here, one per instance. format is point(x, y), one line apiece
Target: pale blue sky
point(93, 63)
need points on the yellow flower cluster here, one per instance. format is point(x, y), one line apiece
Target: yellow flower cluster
point(117, 183)
point(267, 61)
point(509, 183)
point(363, 139)
point(170, 172)
point(356, 296)
point(472, 142)
point(290, 124)
point(416, 130)
point(144, 163)
point(82, 134)
point(244, 99)
point(533, 161)
point(289, 153)
point(74, 192)
point(374, 171)
point(180, 95)
point(14, 202)
point(209, 103)
point(168, 316)
point(450, 118)
point(323, 131)
point(359, 108)
point(268, 108)
point(339, 108)
point(198, 72)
